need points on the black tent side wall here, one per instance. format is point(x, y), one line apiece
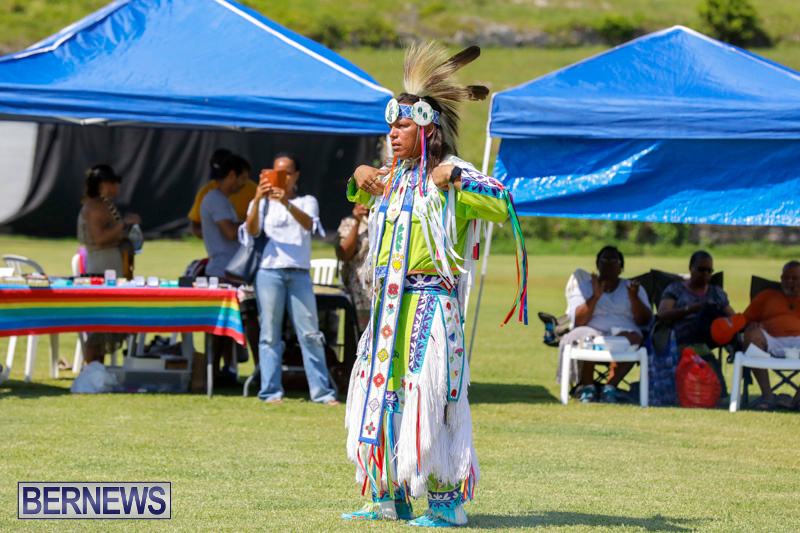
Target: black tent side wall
point(162, 169)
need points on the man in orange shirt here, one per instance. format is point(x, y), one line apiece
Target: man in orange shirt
point(773, 324)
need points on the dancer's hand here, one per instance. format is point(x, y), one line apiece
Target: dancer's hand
point(441, 177)
point(369, 179)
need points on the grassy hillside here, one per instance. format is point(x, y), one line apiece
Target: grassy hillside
point(23, 22)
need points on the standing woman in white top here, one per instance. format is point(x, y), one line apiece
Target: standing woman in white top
point(284, 282)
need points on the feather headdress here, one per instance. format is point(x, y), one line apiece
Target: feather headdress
point(427, 73)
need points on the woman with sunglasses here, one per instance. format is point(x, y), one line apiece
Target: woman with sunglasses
point(691, 305)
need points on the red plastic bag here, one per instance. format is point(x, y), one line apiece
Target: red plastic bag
point(698, 385)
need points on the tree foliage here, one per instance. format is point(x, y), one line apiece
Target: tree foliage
point(733, 21)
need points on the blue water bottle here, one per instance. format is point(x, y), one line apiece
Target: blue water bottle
point(549, 332)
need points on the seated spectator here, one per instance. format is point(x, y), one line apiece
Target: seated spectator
point(773, 324)
point(351, 250)
point(240, 199)
point(220, 225)
point(606, 305)
point(691, 305)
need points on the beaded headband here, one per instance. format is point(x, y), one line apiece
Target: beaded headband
point(421, 112)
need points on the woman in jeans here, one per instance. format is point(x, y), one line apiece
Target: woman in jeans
point(284, 282)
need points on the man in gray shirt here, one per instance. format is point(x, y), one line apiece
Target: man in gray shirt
point(219, 222)
point(220, 227)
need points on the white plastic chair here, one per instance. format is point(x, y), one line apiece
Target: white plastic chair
point(21, 264)
point(604, 356)
point(323, 271)
point(742, 359)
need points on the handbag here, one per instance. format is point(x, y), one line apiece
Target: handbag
point(244, 264)
point(662, 358)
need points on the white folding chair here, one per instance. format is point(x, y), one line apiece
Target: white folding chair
point(323, 271)
point(21, 264)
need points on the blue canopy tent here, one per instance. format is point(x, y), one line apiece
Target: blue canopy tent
point(671, 127)
point(176, 79)
point(193, 63)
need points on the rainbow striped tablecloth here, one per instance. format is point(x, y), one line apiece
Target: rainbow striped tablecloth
point(26, 311)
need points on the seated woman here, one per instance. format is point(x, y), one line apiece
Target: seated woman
point(605, 305)
point(103, 231)
point(691, 305)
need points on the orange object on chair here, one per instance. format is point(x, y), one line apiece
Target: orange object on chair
point(723, 329)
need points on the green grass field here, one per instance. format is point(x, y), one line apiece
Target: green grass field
point(236, 464)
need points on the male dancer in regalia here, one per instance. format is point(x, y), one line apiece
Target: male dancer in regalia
point(408, 418)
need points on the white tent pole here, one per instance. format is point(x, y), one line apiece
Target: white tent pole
point(484, 169)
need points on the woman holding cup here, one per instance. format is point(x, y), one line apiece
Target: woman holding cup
point(284, 281)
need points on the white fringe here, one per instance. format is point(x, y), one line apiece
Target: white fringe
point(372, 228)
point(438, 224)
point(384, 510)
point(429, 214)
